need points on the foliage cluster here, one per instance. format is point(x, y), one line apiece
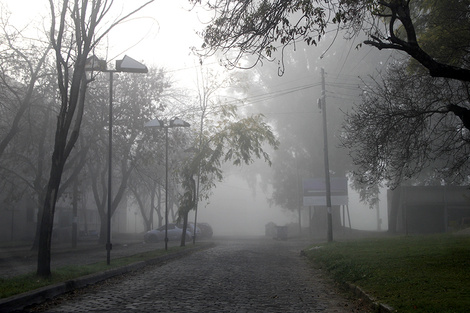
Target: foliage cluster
point(68, 160)
point(433, 36)
point(224, 137)
point(412, 127)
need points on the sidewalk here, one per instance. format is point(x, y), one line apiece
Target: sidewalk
point(21, 260)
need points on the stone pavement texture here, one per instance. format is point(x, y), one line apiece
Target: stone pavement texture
point(14, 262)
point(244, 275)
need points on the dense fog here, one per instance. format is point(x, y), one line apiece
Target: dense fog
point(251, 196)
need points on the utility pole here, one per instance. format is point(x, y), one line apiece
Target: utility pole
point(322, 102)
point(299, 197)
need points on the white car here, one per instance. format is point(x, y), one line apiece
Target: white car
point(174, 233)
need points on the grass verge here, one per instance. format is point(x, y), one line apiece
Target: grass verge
point(28, 282)
point(411, 274)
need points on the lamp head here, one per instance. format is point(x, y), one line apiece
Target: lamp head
point(154, 123)
point(93, 63)
point(129, 65)
point(177, 122)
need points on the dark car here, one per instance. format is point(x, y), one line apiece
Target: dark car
point(206, 230)
point(174, 233)
point(190, 228)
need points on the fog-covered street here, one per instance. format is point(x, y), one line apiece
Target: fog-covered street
point(261, 126)
point(244, 275)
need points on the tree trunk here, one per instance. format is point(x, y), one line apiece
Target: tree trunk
point(103, 229)
point(159, 206)
point(185, 227)
point(47, 220)
point(75, 214)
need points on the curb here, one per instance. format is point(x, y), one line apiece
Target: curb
point(377, 306)
point(358, 292)
point(18, 303)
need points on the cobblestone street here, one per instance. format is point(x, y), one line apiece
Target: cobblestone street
point(246, 275)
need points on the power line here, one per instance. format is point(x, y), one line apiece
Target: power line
point(253, 99)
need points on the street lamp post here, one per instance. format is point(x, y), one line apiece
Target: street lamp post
point(126, 65)
point(176, 122)
point(322, 103)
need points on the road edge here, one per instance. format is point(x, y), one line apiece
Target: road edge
point(19, 302)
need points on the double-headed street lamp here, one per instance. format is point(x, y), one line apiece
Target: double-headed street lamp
point(126, 65)
point(176, 122)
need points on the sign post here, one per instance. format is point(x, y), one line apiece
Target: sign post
point(314, 190)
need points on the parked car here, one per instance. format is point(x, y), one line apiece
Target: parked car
point(174, 233)
point(191, 229)
point(206, 230)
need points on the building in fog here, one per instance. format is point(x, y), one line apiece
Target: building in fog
point(428, 209)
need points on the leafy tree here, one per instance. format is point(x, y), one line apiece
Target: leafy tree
point(221, 136)
point(24, 92)
point(145, 188)
point(259, 27)
point(137, 99)
point(27, 106)
point(433, 34)
point(442, 30)
point(23, 67)
point(147, 179)
point(290, 105)
point(404, 126)
point(206, 110)
point(236, 141)
point(411, 125)
point(74, 33)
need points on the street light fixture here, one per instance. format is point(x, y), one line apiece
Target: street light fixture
point(176, 122)
point(126, 65)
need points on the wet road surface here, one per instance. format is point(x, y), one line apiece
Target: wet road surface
point(245, 275)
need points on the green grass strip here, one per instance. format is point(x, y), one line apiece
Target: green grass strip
point(411, 274)
point(28, 282)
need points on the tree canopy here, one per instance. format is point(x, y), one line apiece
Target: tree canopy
point(76, 28)
point(412, 125)
point(416, 116)
point(260, 28)
point(404, 126)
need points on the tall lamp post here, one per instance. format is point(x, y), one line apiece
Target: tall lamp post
point(126, 65)
point(176, 122)
point(322, 104)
